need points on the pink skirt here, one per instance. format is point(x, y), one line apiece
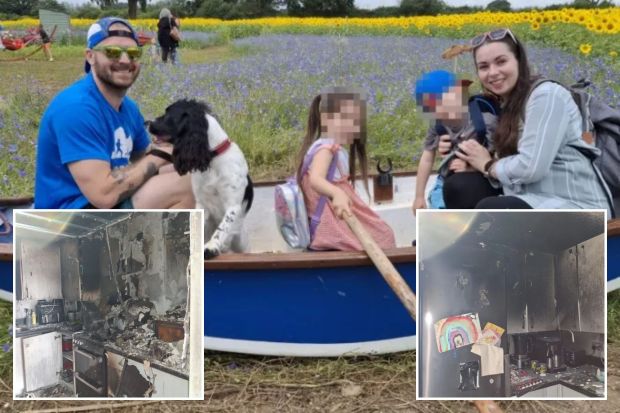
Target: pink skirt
point(333, 233)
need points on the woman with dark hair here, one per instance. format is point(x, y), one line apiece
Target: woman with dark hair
point(537, 159)
point(168, 44)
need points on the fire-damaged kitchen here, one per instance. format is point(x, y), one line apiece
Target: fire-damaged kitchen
point(108, 304)
point(511, 304)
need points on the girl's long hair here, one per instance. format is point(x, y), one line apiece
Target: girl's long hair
point(331, 103)
point(506, 135)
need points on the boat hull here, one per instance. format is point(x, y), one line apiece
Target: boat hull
point(320, 310)
point(307, 304)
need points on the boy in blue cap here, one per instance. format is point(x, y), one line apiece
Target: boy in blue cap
point(443, 98)
point(93, 148)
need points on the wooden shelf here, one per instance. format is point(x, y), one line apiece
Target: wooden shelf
point(68, 355)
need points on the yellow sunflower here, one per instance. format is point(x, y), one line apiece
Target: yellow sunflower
point(535, 26)
point(613, 54)
point(585, 48)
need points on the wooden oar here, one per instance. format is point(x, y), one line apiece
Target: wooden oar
point(383, 264)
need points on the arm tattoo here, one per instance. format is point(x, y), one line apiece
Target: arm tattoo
point(150, 171)
point(119, 175)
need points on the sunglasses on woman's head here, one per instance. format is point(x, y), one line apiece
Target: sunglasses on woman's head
point(494, 35)
point(115, 52)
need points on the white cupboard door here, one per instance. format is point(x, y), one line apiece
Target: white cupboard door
point(169, 385)
point(567, 392)
point(42, 360)
point(18, 367)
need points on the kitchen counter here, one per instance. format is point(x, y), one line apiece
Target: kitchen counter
point(141, 344)
point(141, 356)
point(35, 330)
point(64, 327)
point(581, 379)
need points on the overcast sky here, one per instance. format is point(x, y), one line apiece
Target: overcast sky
point(371, 4)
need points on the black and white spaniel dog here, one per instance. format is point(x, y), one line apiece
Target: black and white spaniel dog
point(219, 172)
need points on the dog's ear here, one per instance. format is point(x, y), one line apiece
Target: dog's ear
point(191, 148)
point(183, 123)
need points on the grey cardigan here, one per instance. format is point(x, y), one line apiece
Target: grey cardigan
point(547, 172)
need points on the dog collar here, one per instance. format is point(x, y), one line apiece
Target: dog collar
point(221, 148)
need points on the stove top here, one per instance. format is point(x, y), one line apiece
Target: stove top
point(91, 342)
point(522, 380)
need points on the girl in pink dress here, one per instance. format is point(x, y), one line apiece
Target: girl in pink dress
point(337, 119)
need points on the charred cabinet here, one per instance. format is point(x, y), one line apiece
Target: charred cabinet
point(541, 313)
point(531, 294)
point(40, 271)
point(590, 266)
point(567, 291)
point(581, 286)
point(516, 297)
point(132, 378)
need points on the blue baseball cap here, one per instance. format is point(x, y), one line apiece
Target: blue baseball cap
point(100, 30)
point(436, 83)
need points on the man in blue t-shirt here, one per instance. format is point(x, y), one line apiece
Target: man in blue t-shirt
point(93, 149)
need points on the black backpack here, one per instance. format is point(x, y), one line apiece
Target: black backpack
point(601, 127)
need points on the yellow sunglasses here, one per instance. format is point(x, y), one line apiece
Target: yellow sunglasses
point(115, 52)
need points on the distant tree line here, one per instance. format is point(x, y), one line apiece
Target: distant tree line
point(239, 9)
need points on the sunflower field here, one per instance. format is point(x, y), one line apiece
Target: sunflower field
point(594, 32)
point(275, 66)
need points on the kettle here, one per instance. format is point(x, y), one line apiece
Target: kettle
point(383, 183)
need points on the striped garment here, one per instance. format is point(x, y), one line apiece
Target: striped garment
point(547, 172)
point(333, 233)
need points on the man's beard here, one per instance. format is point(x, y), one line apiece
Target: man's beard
point(105, 74)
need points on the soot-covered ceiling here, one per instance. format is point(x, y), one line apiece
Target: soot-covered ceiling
point(549, 232)
point(542, 231)
point(71, 224)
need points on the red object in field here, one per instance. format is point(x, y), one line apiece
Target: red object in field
point(144, 38)
point(12, 44)
point(31, 36)
point(67, 344)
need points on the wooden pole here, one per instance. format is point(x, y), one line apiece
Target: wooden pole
point(383, 264)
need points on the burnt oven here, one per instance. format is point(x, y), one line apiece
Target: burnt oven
point(89, 363)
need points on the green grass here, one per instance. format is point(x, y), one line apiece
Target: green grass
point(6, 357)
point(613, 316)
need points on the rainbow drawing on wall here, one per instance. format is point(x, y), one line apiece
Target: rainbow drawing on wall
point(457, 331)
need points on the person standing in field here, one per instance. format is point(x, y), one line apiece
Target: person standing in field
point(46, 43)
point(167, 26)
point(93, 149)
